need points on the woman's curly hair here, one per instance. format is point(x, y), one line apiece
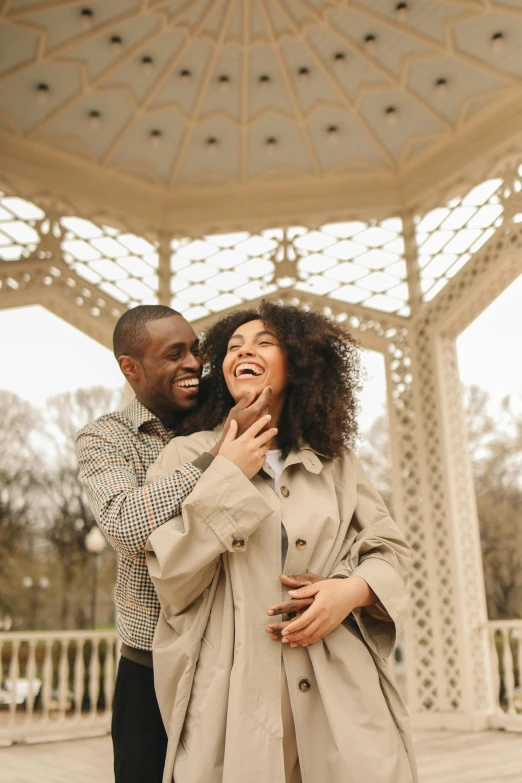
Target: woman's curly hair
point(323, 378)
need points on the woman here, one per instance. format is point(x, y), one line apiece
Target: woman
point(308, 697)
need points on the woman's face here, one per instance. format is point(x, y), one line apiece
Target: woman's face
point(255, 359)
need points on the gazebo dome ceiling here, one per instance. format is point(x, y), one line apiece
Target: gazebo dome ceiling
point(214, 93)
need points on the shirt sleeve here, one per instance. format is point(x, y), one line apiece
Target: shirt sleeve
point(380, 555)
point(126, 512)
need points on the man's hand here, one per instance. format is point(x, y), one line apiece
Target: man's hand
point(247, 411)
point(248, 452)
point(332, 602)
point(294, 605)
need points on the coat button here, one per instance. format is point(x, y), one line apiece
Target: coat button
point(300, 543)
point(238, 543)
point(304, 686)
point(284, 491)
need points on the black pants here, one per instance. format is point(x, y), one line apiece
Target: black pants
point(138, 735)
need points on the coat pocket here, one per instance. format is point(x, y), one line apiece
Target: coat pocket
point(205, 672)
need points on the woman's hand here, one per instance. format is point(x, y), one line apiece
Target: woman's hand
point(294, 606)
point(333, 600)
point(245, 413)
point(248, 452)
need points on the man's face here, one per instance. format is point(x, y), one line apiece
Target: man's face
point(171, 365)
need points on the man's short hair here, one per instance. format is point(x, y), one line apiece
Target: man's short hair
point(130, 336)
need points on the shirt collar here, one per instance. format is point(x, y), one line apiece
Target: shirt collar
point(307, 457)
point(138, 414)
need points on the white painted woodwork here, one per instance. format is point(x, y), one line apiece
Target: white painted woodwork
point(53, 706)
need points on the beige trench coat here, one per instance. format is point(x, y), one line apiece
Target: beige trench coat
point(218, 673)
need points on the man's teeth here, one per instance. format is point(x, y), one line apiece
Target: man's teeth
point(248, 369)
point(188, 382)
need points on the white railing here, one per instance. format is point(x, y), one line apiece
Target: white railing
point(505, 640)
point(59, 684)
point(56, 685)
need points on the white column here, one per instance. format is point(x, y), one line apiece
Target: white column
point(447, 655)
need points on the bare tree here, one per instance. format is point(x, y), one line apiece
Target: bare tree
point(19, 481)
point(496, 450)
point(374, 453)
point(44, 515)
point(69, 515)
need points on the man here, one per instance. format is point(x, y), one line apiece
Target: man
point(157, 351)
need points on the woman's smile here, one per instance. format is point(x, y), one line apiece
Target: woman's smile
point(248, 370)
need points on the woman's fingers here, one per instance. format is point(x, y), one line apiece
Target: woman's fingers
point(317, 635)
point(274, 629)
point(255, 438)
point(231, 432)
point(331, 602)
point(263, 439)
point(298, 623)
point(309, 635)
point(307, 592)
point(290, 607)
point(304, 634)
point(295, 604)
point(255, 428)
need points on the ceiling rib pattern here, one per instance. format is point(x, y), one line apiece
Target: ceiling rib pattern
point(204, 92)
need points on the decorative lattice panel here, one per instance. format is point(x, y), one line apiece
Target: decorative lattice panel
point(116, 262)
point(448, 236)
point(19, 236)
point(410, 492)
point(465, 547)
point(458, 607)
point(444, 619)
point(488, 274)
point(355, 262)
point(121, 264)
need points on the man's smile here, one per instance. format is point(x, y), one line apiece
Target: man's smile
point(188, 383)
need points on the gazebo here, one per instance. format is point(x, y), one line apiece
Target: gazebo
point(362, 158)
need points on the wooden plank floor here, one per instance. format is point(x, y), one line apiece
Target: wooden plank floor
point(482, 757)
point(443, 757)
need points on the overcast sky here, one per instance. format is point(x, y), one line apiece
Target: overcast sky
point(41, 355)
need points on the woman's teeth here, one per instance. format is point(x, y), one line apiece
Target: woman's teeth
point(248, 369)
point(187, 382)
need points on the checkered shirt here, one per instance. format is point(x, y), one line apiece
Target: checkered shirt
point(114, 454)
